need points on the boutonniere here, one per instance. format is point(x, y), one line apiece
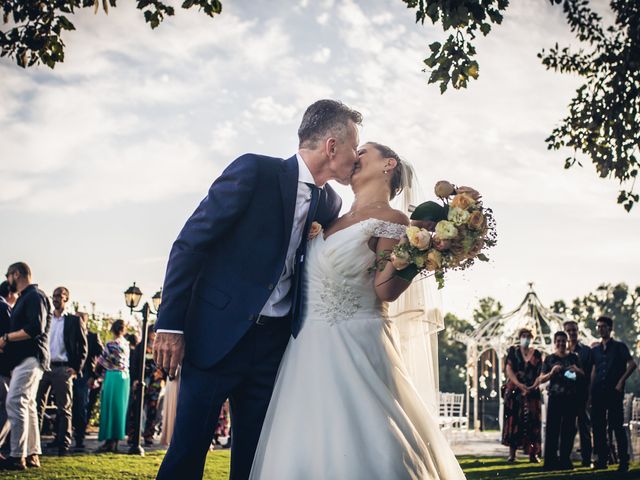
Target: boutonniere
point(315, 229)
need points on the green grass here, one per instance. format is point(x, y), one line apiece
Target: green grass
point(120, 466)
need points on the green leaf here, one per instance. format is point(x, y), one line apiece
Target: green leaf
point(485, 28)
point(430, 212)
point(482, 257)
point(435, 46)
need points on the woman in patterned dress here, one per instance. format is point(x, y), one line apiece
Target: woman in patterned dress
point(522, 424)
point(114, 365)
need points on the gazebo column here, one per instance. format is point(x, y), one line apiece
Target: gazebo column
point(499, 355)
point(476, 426)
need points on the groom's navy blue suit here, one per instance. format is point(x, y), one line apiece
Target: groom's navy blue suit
point(222, 269)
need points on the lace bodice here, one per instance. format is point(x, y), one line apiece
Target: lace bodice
point(339, 285)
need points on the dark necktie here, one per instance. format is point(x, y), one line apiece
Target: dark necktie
point(297, 305)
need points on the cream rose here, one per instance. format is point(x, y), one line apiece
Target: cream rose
point(457, 216)
point(463, 201)
point(444, 189)
point(446, 230)
point(400, 260)
point(419, 237)
point(434, 260)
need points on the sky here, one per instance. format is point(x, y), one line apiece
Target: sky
point(103, 159)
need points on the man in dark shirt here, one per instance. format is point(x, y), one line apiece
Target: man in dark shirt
point(582, 383)
point(7, 301)
point(612, 365)
point(27, 345)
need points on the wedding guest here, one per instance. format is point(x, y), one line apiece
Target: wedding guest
point(169, 408)
point(68, 347)
point(561, 369)
point(223, 429)
point(582, 387)
point(84, 398)
point(154, 379)
point(28, 347)
point(612, 365)
point(522, 400)
point(114, 363)
point(7, 301)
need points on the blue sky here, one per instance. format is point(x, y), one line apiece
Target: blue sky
point(104, 158)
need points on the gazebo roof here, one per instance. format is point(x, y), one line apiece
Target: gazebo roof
point(500, 332)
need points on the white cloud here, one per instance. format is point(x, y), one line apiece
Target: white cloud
point(322, 56)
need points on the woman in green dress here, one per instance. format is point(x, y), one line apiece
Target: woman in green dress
point(114, 365)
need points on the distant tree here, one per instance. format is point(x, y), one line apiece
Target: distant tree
point(604, 116)
point(618, 302)
point(452, 355)
point(34, 33)
point(487, 308)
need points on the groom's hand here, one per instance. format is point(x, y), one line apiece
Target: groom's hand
point(168, 351)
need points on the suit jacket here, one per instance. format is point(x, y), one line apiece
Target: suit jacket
point(95, 349)
point(75, 342)
point(230, 254)
point(31, 313)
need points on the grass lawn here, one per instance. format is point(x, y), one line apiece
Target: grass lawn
point(120, 467)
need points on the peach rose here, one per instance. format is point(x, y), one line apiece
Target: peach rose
point(434, 260)
point(419, 237)
point(444, 189)
point(463, 201)
point(315, 229)
point(476, 220)
point(400, 260)
point(473, 193)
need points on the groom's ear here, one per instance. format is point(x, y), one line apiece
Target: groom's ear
point(330, 146)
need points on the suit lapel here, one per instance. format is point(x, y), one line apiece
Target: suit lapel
point(289, 190)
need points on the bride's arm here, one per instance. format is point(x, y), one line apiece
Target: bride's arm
point(388, 286)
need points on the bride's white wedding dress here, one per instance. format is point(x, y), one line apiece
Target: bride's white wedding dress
point(343, 407)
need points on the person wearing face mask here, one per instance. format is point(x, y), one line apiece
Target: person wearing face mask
point(522, 423)
point(562, 370)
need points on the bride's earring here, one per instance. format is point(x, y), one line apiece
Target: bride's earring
point(385, 171)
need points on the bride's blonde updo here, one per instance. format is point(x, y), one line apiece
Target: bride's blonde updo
point(399, 175)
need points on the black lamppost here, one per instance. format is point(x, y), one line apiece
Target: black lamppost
point(132, 298)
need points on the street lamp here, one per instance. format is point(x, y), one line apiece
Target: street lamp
point(132, 298)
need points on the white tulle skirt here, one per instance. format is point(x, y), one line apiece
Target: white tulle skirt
point(344, 408)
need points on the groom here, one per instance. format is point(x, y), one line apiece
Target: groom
point(232, 293)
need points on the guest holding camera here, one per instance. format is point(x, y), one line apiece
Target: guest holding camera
point(561, 369)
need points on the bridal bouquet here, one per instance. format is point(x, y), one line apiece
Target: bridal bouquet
point(451, 235)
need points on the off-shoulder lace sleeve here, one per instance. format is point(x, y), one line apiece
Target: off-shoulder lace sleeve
point(383, 229)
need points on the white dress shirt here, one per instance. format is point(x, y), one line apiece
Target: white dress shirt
point(56, 339)
point(279, 303)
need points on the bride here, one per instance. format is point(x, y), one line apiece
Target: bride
point(344, 405)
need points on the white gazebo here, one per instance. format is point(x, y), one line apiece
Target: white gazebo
point(490, 341)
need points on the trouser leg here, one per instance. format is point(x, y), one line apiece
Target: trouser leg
point(22, 410)
point(554, 418)
point(62, 386)
point(616, 420)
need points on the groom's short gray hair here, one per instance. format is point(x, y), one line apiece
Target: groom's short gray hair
point(323, 117)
